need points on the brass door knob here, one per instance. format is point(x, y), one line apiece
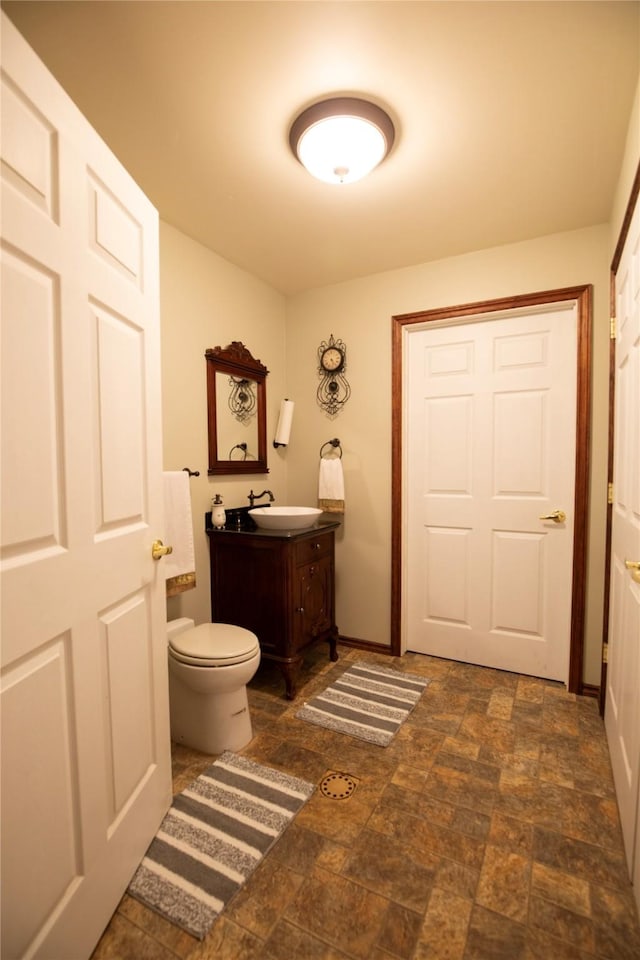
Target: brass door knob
point(159, 550)
point(558, 516)
point(634, 567)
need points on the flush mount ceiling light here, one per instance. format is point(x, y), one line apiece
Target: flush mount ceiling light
point(341, 140)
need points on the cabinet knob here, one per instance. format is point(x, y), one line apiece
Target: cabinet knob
point(299, 609)
point(316, 546)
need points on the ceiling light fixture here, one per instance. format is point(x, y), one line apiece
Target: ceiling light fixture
point(341, 140)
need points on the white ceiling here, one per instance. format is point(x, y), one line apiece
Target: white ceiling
point(510, 116)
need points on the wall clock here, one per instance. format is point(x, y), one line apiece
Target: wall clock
point(333, 389)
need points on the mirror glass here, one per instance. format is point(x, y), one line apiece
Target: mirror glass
point(236, 402)
point(237, 419)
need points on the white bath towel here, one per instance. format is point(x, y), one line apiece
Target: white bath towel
point(179, 566)
point(331, 485)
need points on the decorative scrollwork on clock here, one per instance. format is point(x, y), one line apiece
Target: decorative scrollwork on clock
point(333, 389)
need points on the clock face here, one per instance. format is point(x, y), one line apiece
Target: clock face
point(332, 359)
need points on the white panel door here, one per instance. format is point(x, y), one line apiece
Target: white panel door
point(85, 739)
point(622, 705)
point(491, 448)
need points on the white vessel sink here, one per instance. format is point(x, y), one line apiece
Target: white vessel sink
point(285, 518)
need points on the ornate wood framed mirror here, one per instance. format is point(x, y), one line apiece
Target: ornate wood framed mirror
point(236, 411)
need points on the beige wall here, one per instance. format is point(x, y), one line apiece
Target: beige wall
point(205, 301)
point(360, 313)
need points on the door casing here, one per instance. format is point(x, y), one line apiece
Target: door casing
point(583, 296)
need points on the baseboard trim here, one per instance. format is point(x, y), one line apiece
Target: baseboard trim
point(365, 645)
point(586, 689)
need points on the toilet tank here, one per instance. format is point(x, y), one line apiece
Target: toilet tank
point(174, 627)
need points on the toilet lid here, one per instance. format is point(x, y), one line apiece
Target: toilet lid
point(214, 645)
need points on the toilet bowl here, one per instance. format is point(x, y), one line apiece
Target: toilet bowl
point(209, 668)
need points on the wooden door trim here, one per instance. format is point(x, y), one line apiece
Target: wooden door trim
point(583, 295)
point(615, 263)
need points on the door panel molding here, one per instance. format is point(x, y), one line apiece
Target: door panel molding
point(583, 296)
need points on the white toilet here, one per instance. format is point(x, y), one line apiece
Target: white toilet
point(209, 668)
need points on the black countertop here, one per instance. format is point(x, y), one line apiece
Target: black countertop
point(239, 524)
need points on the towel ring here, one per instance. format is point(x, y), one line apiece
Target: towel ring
point(333, 443)
point(239, 446)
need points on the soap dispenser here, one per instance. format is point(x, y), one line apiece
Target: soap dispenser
point(218, 513)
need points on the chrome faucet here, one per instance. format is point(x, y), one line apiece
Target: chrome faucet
point(256, 496)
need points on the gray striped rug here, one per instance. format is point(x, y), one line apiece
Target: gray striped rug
point(368, 701)
point(213, 837)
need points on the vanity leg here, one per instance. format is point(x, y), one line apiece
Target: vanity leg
point(333, 645)
point(290, 674)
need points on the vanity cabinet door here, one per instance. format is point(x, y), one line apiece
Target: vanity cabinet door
point(314, 586)
point(248, 579)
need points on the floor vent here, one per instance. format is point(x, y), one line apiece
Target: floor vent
point(337, 786)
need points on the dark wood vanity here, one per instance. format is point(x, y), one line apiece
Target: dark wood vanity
point(278, 584)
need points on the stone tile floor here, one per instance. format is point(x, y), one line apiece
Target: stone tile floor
point(488, 830)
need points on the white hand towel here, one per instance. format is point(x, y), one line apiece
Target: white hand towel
point(179, 566)
point(331, 485)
